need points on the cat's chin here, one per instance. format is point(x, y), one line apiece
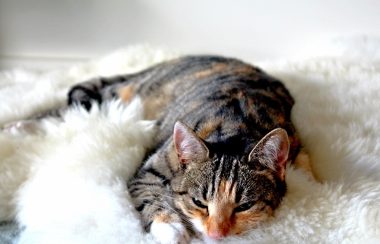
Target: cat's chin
point(208, 240)
point(201, 233)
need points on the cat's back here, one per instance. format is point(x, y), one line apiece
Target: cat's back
point(191, 81)
point(224, 100)
point(180, 76)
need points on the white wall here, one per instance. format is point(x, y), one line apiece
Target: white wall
point(67, 30)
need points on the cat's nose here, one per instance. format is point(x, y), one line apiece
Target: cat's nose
point(216, 234)
point(218, 224)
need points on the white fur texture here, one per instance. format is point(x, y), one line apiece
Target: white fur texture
point(76, 173)
point(336, 114)
point(169, 233)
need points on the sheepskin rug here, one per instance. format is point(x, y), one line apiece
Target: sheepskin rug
point(66, 182)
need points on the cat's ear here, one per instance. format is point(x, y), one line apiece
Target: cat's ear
point(272, 151)
point(188, 145)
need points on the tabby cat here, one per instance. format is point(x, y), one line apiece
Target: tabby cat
point(224, 139)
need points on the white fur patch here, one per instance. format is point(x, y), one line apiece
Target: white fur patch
point(197, 224)
point(75, 182)
point(168, 233)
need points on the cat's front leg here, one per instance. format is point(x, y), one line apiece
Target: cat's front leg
point(97, 90)
point(158, 215)
point(167, 228)
point(86, 93)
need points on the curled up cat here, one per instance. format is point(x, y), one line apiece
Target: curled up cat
point(225, 136)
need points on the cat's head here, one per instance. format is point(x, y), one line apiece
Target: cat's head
point(226, 195)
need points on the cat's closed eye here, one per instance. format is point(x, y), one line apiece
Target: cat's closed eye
point(198, 203)
point(244, 207)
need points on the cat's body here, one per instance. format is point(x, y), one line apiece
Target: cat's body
point(219, 158)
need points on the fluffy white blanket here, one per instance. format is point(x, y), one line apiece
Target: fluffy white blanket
point(70, 178)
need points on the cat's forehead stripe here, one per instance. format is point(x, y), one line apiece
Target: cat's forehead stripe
point(225, 172)
point(212, 184)
point(226, 191)
point(233, 171)
point(217, 175)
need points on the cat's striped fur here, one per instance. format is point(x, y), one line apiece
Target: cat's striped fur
point(218, 163)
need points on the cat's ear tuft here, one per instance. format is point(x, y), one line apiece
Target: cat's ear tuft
point(188, 145)
point(272, 151)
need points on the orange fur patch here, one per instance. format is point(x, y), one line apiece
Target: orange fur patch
point(220, 220)
point(246, 221)
point(153, 107)
point(208, 128)
point(163, 218)
point(302, 161)
point(126, 93)
point(267, 174)
point(244, 69)
point(214, 69)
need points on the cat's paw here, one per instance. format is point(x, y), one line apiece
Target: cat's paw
point(84, 95)
point(169, 233)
